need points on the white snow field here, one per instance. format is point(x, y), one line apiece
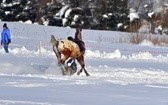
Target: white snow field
point(121, 73)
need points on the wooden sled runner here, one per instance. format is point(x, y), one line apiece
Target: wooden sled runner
point(70, 50)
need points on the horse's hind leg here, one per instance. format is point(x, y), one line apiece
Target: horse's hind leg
point(78, 73)
point(81, 62)
point(87, 74)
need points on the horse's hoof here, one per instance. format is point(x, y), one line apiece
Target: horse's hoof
point(78, 73)
point(87, 74)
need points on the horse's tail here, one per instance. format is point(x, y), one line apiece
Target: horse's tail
point(53, 40)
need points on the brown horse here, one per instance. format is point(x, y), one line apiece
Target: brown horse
point(68, 49)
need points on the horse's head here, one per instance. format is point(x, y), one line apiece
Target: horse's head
point(53, 40)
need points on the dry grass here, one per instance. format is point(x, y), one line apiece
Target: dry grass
point(155, 39)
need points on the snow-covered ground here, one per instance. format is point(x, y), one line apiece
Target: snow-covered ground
point(121, 73)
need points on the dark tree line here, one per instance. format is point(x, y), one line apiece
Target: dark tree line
point(18, 10)
point(89, 14)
